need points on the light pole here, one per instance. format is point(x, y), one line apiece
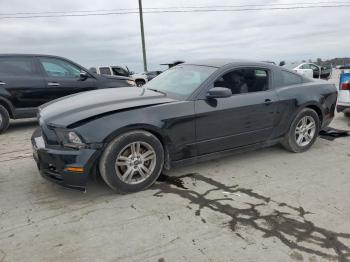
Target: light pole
point(143, 37)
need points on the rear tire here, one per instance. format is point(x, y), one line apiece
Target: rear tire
point(303, 131)
point(132, 162)
point(4, 119)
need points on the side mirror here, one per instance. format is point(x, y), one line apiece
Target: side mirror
point(83, 75)
point(219, 92)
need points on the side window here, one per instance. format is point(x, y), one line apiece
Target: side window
point(245, 80)
point(105, 71)
point(290, 78)
point(305, 66)
point(17, 66)
point(93, 70)
point(120, 71)
point(59, 68)
point(313, 67)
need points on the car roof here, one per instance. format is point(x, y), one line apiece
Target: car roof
point(223, 62)
point(18, 54)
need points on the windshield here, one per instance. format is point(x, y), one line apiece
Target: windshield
point(181, 81)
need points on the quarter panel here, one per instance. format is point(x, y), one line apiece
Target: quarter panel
point(294, 98)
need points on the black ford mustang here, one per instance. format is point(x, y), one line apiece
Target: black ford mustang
point(191, 112)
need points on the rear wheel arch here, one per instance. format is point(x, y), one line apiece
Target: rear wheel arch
point(298, 129)
point(312, 106)
point(318, 110)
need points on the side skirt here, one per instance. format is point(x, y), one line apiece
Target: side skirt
point(29, 112)
point(224, 153)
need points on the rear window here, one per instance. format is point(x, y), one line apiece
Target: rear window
point(14, 66)
point(105, 71)
point(290, 78)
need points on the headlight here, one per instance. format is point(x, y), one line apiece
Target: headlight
point(131, 82)
point(74, 138)
point(70, 139)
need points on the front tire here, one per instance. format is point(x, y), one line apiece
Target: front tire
point(140, 83)
point(303, 131)
point(132, 162)
point(4, 119)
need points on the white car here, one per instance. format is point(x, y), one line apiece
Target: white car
point(140, 79)
point(343, 104)
point(311, 70)
point(308, 69)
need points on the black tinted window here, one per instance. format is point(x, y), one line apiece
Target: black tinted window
point(290, 78)
point(59, 68)
point(16, 66)
point(120, 71)
point(105, 71)
point(244, 80)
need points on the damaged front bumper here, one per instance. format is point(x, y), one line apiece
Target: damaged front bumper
point(56, 163)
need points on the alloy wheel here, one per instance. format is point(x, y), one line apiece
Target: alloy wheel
point(135, 162)
point(305, 131)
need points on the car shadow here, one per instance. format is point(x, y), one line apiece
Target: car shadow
point(268, 216)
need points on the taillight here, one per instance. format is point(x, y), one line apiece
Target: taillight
point(345, 86)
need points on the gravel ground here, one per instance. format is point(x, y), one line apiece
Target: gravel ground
point(265, 205)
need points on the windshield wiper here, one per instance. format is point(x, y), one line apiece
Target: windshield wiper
point(158, 91)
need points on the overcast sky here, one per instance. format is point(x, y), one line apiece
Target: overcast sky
point(115, 39)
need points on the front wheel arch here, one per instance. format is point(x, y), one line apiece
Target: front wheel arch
point(8, 106)
point(115, 147)
point(140, 81)
point(164, 140)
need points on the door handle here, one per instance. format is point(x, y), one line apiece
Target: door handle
point(53, 84)
point(268, 102)
point(2, 83)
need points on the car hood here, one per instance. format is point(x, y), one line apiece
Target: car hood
point(71, 109)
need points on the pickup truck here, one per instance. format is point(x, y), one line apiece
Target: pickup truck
point(140, 79)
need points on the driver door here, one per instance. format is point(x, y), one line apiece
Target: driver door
point(239, 120)
point(62, 78)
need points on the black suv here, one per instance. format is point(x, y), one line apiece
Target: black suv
point(28, 81)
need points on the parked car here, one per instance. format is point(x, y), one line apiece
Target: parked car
point(152, 74)
point(28, 81)
point(191, 112)
point(140, 79)
point(343, 104)
point(311, 70)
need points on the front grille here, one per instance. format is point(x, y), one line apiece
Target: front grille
point(53, 175)
point(51, 171)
